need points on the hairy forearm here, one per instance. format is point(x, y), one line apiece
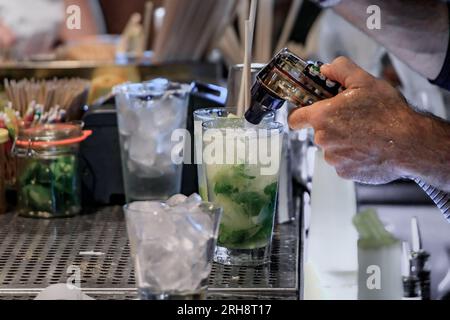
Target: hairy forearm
point(428, 157)
point(416, 31)
point(440, 147)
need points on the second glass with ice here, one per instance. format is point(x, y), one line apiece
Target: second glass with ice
point(148, 113)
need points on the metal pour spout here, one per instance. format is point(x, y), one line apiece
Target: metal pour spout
point(288, 78)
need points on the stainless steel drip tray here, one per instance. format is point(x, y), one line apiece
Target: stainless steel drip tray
point(36, 253)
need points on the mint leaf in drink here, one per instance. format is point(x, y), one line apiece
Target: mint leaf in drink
point(224, 187)
point(235, 238)
point(271, 190)
point(230, 180)
point(250, 201)
point(232, 237)
point(265, 215)
point(240, 171)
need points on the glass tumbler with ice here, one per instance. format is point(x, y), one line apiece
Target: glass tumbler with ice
point(148, 113)
point(242, 164)
point(172, 245)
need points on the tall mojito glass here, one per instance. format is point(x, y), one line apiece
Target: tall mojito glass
point(204, 115)
point(241, 165)
point(147, 114)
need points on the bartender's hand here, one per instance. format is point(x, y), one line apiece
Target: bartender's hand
point(370, 134)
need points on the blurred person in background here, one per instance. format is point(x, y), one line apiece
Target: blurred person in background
point(6, 36)
point(31, 29)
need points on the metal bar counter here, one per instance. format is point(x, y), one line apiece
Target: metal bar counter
point(36, 253)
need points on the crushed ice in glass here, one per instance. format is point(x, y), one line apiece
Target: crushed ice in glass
point(172, 242)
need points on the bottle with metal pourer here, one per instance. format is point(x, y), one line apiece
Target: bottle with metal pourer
point(288, 78)
point(411, 284)
point(419, 260)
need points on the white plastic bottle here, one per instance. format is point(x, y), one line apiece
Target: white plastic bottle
point(332, 238)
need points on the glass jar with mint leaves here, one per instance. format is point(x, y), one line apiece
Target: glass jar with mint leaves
point(47, 170)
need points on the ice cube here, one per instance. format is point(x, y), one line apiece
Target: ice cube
point(169, 263)
point(165, 143)
point(158, 262)
point(172, 270)
point(187, 244)
point(158, 85)
point(142, 150)
point(196, 225)
point(164, 164)
point(146, 116)
point(195, 215)
point(132, 166)
point(193, 201)
point(176, 200)
point(154, 227)
point(147, 206)
point(165, 119)
point(127, 121)
point(203, 223)
point(149, 219)
point(143, 170)
point(170, 114)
